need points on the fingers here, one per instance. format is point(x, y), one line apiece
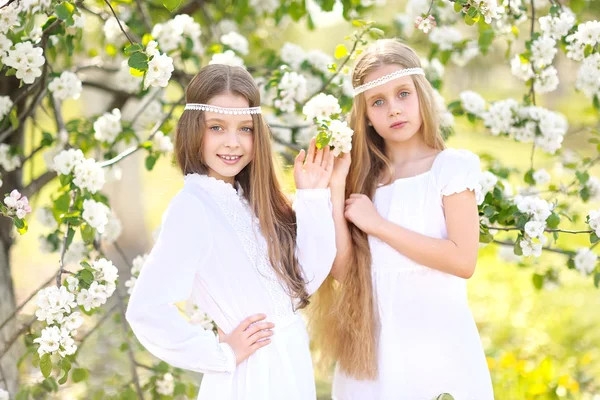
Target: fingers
point(319, 156)
point(252, 329)
point(260, 344)
point(221, 334)
point(312, 147)
point(260, 335)
point(330, 162)
point(250, 320)
point(326, 152)
point(299, 161)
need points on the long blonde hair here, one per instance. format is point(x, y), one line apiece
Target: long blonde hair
point(344, 321)
point(258, 179)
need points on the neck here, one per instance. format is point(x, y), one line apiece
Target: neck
point(401, 152)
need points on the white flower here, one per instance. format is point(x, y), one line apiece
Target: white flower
point(108, 126)
point(72, 283)
point(168, 35)
point(89, 175)
point(425, 24)
point(72, 322)
point(445, 37)
point(341, 137)
point(35, 35)
point(34, 6)
point(151, 113)
point(165, 386)
point(546, 80)
point(585, 261)
point(536, 207)
point(95, 214)
point(105, 271)
point(472, 102)
point(197, 316)
point(67, 160)
point(507, 254)
point(112, 230)
point(17, 204)
point(159, 71)
point(530, 248)
point(264, 6)
point(67, 86)
point(5, 45)
point(127, 82)
point(541, 177)
point(293, 55)
point(54, 303)
point(79, 23)
point(593, 186)
point(322, 106)
point(138, 264)
point(130, 283)
point(162, 142)
point(292, 88)
point(445, 116)
point(113, 32)
point(588, 76)
point(9, 17)
point(27, 60)
point(76, 252)
point(4, 395)
point(228, 57)
point(462, 57)
point(594, 221)
point(8, 161)
point(319, 61)
point(500, 116)
point(46, 218)
point(236, 42)
point(227, 25)
point(535, 229)
point(49, 340)
point(557, 27)
point(93, 297)
point(434, 69)
point(488, 181)
point(521, 70)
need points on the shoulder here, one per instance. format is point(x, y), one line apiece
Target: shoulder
point(450, 157)
point(457, 170)
point(187, 205)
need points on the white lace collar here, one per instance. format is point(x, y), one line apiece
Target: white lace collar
point(214, 186)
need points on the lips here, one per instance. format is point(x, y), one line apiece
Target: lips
point(398, 124)
point(229, 158)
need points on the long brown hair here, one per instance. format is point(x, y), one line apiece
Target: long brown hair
point(344, 319)
point(258, 179)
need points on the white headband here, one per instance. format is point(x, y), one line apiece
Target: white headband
point(385, 79)
point(221, 110)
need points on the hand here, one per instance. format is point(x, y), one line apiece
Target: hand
point(245, 339)
point(341, 166)
point(316, 171)
point(361, 211)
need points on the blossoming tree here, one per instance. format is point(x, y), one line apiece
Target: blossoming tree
point(50, 51)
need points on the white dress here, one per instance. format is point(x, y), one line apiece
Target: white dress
point(428, 341)
point(210, 249)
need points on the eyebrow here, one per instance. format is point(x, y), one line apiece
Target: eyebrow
point(247, 121)
point(401, 86)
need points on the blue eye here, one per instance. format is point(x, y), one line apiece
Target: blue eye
point(248, 129)
point(216, 127)
point(404, 94)
point(378, 103)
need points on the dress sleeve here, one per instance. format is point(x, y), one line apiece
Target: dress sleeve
point(459, 171)
point(167, 278)
point(315, 242)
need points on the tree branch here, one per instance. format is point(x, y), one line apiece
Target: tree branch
point(514, 228)
point(16, 336)
point(38, 183)
point(106, 88)
point(119, 21)
point(552, 250)
point(31, 296)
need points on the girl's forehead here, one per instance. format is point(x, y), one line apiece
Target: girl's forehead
point(404, 81)
point(229, 100)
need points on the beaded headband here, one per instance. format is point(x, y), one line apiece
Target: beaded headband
point(386, 78)
point(221, 110)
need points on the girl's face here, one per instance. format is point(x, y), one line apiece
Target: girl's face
point(228, 141)
point(393, 108)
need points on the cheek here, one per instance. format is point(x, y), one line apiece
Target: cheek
point(248, 145)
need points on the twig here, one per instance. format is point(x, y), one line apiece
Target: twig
point(106, 88)
point(144, 105)
point(95, 328)
point(16, 336)
point(144, 15)
point(514, 228)
point(119, 21)
point(38, 183)
point(23, 304)
point(25, 115)
point(552, 250)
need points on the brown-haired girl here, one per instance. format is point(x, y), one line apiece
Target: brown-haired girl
point(397, 321)
point(231, 241)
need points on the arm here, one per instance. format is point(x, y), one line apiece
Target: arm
point(167, 278)
point(343, 240)
point(456, 255)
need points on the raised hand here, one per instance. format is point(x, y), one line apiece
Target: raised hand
point(246, 338)
point(341, 166)
point(313, 170)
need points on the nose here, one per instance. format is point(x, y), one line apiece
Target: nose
point(395, 110)
point(231, 140)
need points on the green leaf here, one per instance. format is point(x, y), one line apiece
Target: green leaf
point(21, 225)
point(596, 103)
point(485, 237)
point(132, 48)
point(79, 375)
point(473, 12)
point(529, 177)
point(35, 359)
point(589, 49)
point(63, 202)
point(340, 51)
point(583, 177)
point(571, 263)
point(553, 220)
point(46, 365)
point(65, 180)
point(150, 162)
point(322, 139)
point(489, 210)
point(594, 238)
point(70, 236)
point(585, 194)
point(64, 10)
point(485, 40)
point(124, 347)
point(471, 21)
point(11, 72)
point(88, 233)
point(139, 61)
point(162, 367)
point(517, 249)
point(50, 384)
point(86, 277)
point(171, 5)
point(14, 120)
point(444, 396)
point(128, 394)
point(597, 279)
point(457, 6)
point(538, 281)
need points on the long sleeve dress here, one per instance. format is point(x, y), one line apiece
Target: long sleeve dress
point(210, 249)
point(428, 340)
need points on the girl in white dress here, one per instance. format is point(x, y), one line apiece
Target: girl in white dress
point(232, 243)
point(396, 318)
